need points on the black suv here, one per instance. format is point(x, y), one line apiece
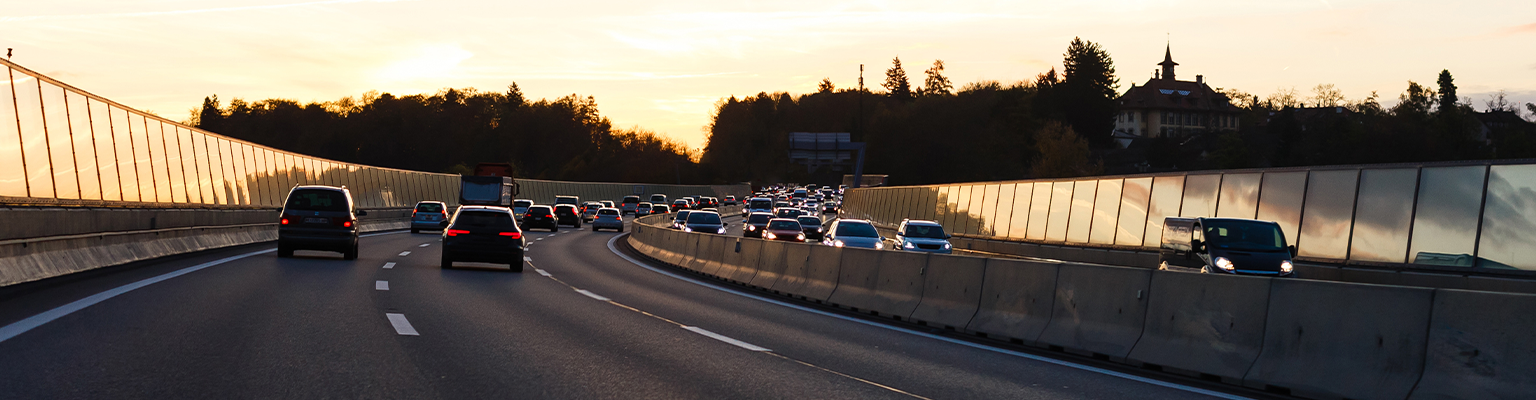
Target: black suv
point(541, 217)
point(483, 234)
point(318, 217)
point(567, 214)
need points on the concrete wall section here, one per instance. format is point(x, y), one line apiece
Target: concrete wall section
point(1204, 323)
point(1480, 347)
point(951, 291)
point(1098, 309)
point(1328, 339)
point(1016, 300)
point(811, 271)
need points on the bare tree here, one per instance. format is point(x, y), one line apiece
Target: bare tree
point(1326, 95)
point(1284, 98)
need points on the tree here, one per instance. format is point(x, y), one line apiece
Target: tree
point(1415, 102)
point(1088, 91)
point(1499, 101)
point(896, 84)
point(1284, 98)
point(1326, 95)
point(1062, 153)
point(1447, 92)
point(937, 84)
point(825, 86)
point(1531, 107)
point(210, 118)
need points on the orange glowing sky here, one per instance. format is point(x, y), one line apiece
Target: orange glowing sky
point(661, 65)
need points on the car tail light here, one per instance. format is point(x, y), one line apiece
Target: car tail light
point(514, 235)
point(620, 218)
point(284, 221)
point(456, 232)
point(548, 216)
point(346, 224)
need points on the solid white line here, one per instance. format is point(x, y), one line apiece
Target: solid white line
point(380, 285)
point(927, 335)
point(405, 253)
point(542, 272)
point(726, 339)
point(592, 295)
point(389, 265)
point(402, 326)
point(529, 259)
point(424, 245)
point(382, 233)
point(19, 327)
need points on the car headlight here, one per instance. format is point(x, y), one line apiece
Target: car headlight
point(1286, 267)
point(687, 229)
point(837, 243)
point(947, 246)
point(721, 230)
point(909, 246)
point(751, 228)
point(800, 236)
point(1224, 263)
point(879, 246)
point(770, 235)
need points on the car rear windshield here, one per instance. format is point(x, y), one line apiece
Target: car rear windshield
point(522, 203)
point(704, 218)
point(485, 219)
point(608, 211)
point(811, 221)
point(925, 231)
point(429, 208)
point(856, 229)
point(317, 200)
point(784, 225)
point(565, 208)
point(683, 215)
point(539, 210)
point(631, 199)
point(1244, 235)
point(759, 218)
point(761, 204)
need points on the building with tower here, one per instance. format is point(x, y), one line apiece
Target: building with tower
point(1167, 107)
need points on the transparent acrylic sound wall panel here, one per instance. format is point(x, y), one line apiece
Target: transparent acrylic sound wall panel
point(129, 176)
point(1200, 195)
point(1383, 213)
point(1081, 220)
point(173, 162)
point(1167, 199)
point(1018, 229)
point(1002, 219)
point(1040, 210)
point(158, 160)
point(189, 165)
point(965, 221)
point(1135, 194)
point(85, 146)
point(1239, 196)
point(1106, 212)
point(1280, 201)
point(143, 159)
point(1445, 220)
point(1509, 219)
point(13, 178)
point(66, 182)
point(106, 151)
point(34, 139)
point(1326, 218)
point(1061, 210)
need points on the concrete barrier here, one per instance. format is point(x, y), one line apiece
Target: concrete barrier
point(741, 258)
point(1330, 339)
point(886, 282)
point(675, 244)
point(771, 264)
point(951, 291)
point(1204, 323)
point(1099, 310)
point(693, 246)
point(811, 272)
point(1480, 347)
point(711, 252)
point(1016, 300)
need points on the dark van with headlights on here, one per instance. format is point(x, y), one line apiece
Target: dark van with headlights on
point(1226, 245)
point(317, 217)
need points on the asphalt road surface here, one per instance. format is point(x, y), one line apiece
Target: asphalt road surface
point(587, 319)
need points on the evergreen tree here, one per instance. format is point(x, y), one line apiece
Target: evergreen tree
point(825, 86)
point(1447, 92)
point(937, 84)
point(1089, 88)
point(210, 118)
point(896, 84)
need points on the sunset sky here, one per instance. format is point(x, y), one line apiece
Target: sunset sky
point(661, 65)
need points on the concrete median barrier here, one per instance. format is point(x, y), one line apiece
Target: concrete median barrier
point(1016, 300)
point(951, 291)
point(711, 252)
point(811, 271)
point(1480, 347)
point(886, 282)
point(692, 249)
point(36, 260)
point(771, 265)
point(1330, 339)
point(741, 259)
point(1099, 310)
point(674, 245)
point(1204, 323)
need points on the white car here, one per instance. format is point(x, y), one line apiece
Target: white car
point(608, 218)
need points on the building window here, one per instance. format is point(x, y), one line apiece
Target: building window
point(1133, 116)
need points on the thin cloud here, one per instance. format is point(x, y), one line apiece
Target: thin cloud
point(1527, 28)
point(184, 12)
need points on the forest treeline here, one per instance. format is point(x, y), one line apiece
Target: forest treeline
point(450, 131)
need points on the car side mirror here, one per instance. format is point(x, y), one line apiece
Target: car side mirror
point(947, 236)
point(362, 213)
point(1292, 249)
point(1196, 245)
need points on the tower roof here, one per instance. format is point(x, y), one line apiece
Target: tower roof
point(1168, 57)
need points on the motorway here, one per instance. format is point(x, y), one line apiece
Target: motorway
point(587, 319)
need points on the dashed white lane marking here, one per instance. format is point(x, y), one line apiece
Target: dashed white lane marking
point(389, 265)
point(380, 285)
point(405, 253)
point(402, 326)
point(545, 273)
point(1043, 359)
point(592, 295)
point(538, 239)
point(530, 259)
point(424, 245)
point(726, 339)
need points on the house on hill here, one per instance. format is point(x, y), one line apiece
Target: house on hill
point(1167, 107)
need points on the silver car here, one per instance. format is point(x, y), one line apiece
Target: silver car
point(608, 218)
point(853, 233)
point(922, 236)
